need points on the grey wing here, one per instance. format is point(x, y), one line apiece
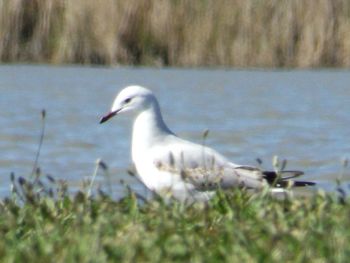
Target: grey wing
point(225, 176)
point(206, 169)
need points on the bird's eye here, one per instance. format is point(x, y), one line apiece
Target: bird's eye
point(127, 100)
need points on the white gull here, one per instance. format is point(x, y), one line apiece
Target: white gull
point(173, 167)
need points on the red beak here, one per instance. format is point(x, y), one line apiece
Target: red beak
point(108, 116)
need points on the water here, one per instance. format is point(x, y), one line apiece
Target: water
point(302, 116)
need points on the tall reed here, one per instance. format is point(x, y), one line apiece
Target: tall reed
point(268, 33)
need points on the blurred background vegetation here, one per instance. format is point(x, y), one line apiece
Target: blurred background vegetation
point(239, 33)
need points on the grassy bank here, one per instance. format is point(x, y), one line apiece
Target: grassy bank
point(269, 33)
point(236, 227)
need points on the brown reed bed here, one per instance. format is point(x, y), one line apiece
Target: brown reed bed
point(240, 33)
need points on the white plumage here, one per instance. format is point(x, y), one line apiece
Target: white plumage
point(173, 167)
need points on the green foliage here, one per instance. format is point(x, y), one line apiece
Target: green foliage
point(41, 222)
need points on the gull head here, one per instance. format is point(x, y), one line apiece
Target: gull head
point(130, 99)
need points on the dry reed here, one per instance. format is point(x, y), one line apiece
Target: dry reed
point(240, 33)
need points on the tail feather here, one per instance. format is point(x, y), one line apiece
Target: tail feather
point(283, 179)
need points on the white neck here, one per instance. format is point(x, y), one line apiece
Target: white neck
point(148, 128)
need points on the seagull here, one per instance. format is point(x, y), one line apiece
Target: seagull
point(176, 168)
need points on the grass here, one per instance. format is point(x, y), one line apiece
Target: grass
point(268, 33)
point(42, 222)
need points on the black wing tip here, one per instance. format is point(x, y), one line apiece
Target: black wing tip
point(303, 183)
point(286, 178)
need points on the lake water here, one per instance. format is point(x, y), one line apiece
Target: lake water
point(301, 116)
